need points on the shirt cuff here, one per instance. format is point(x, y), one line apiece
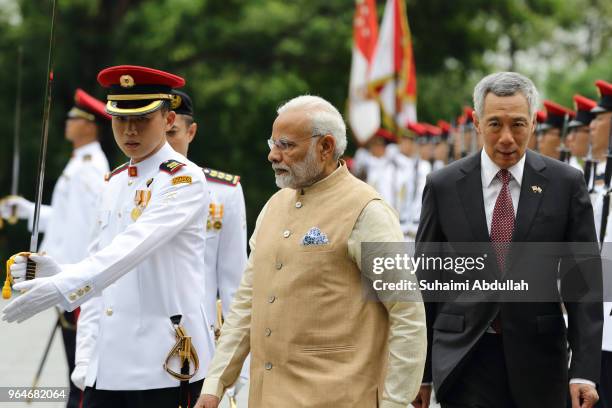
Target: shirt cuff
point(582, 381)
point(213, 386)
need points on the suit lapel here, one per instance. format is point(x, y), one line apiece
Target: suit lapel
point(469, 188)
point(533, 187)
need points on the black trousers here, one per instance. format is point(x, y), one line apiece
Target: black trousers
point(69, 337)
point(482, 381)
point(161, 397)
point(605, 382)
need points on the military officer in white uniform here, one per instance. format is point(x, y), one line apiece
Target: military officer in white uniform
point(600, 128)
point(226, 238)
point(578, 132)
point(144, 279)
point(68, 221)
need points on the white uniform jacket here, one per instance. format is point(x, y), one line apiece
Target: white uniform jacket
point(141, 272)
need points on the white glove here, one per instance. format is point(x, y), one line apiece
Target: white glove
point(25, 208)
point(45, 267)
point(41, 294)
point(78, 376)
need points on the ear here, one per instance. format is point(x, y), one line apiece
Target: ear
point(170, 118)
point(476, 122)
point(191, 132)
point(327, 147)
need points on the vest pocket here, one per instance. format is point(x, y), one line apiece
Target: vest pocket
point(327, 349)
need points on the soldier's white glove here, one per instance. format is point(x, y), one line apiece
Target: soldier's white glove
point(25, 208)
point(78, 376)
point(237, 386)
point(45, 267)
point(41, 294)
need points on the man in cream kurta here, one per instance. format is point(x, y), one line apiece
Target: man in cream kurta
point(314, 340)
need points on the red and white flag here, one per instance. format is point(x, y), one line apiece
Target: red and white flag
point(363, 109)
point(393, 73)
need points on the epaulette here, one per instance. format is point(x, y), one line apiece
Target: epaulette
point(171, 166)
point(220, 177)
point(118, 170)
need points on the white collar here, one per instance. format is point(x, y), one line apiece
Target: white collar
point(490, 169)
point(152, 162)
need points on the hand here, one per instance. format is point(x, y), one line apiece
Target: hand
point(583, 395)
point(45, 267)
point(78, 376)
point(207, 401)
point(25, 208)
point(423, 398)
point(41, 294)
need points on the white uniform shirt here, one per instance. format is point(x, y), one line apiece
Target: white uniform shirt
point(69, 220)
point(406, 190)
point(139, 274)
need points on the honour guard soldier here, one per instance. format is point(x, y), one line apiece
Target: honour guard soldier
point(550, 139)
point(143, 332)
point(69, 220)
point(578, 131)
point(600, 128)
point(422, 169)
point(226, 254)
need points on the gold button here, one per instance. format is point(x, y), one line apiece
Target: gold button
point(268, 365)
point(279, 265)
point(298, 204)
point(109, 311)
point(271, 299)
point(80, 292)
point(87, 288)
point(72, 297)
point(268, 332)
point(286, 233)
point(130, 182)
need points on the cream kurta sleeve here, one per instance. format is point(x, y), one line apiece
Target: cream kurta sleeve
point(234, 343)
point(407, 335)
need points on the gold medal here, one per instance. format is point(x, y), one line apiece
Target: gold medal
point(136, 212)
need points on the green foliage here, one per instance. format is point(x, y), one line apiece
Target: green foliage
point(242, 59)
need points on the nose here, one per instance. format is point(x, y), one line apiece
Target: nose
point(275, 156)
point(506, 135)
point(130, 129)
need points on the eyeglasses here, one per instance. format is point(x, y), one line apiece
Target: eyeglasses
point(284, 144)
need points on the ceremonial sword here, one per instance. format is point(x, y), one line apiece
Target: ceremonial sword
point(42, 157)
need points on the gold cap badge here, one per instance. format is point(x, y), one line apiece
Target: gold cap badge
point(126, 81)
point(176, 101)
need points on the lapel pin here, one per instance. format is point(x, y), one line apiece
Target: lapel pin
point(536, 189)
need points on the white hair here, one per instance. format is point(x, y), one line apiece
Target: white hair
point(505, 84)
point(324, 118)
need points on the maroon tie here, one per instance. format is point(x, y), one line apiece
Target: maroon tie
point(502, 226)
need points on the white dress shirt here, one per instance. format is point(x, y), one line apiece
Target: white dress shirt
point(491, 185)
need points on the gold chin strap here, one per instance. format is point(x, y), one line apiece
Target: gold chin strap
point(184, 350)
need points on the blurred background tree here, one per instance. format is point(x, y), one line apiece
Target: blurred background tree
point(242, 59)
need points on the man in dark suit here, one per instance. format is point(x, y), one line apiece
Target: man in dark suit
point(510, 354)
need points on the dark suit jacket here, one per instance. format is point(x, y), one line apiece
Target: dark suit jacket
point(534, 334)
